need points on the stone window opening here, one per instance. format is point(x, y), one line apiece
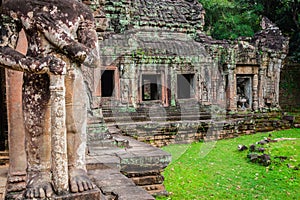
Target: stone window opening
point(185, 86)
point(244, 92)
point(151, 87)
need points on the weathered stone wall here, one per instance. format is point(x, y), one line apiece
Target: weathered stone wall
point(290, 87)
point(161, 134)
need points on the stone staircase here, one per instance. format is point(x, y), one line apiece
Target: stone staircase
point(124, 168)
point(158, 125)
point(188, 122)
point(154, 113)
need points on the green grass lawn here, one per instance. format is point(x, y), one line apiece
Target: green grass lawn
point(226, 173)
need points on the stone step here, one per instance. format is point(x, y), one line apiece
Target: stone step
point(4, 153)
point(151, 125)
point(155, 119)
point(168, 111)
point(112, 129)
point(136, 158)
point(115, 185)
point(4, 160)
point(124, 119)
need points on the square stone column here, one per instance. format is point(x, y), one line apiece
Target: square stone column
point(261, 79)
point(16, 131)
point(231, 98)
point(255, 92)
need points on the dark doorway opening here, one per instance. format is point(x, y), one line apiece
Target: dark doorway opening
point(107, 83)
point(151, 87)
point(185, 86)
point(3, 111)
point(244, 91)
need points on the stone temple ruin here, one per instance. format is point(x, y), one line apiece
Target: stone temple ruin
point(156, 53)
point(161, 81)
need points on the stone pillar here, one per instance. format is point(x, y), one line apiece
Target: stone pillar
point(16, 131)
point(214, 81)
point(255, 92)
point(261, 75)
point(231, 89)
point(214, 90)
point(173, 84)
point(59, 135)
point(277, 70)
point(261, 79)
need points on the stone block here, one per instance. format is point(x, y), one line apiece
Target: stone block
point(297, 125)
point(94, 194)
point(289, 118)
point(154, 187)
point(148, 180)
point(135, 193)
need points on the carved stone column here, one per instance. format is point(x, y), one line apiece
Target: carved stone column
point(277, 70)
point(255, 92)
point(261, 79)
point(173, 84)
point(59, 135)
point(231, 89)
point(261, 102)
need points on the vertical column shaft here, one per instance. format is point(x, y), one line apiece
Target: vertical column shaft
point(16, 129)
point(232, 89)
point(255, 92)
point(59, 135)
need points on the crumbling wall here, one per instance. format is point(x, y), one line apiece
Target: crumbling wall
point(194, 131)
point(289, 87)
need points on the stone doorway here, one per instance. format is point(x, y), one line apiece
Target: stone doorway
point(185, 86)
point(244, 92)
point(151, 87)
point(3, 116)
point(109, 85)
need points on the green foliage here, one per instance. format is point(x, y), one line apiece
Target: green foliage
point(230, 19)
point(232, 26)
point(225, 172)
point(285, 13)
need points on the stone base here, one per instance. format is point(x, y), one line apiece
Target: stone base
point(15, 187)
point(14, 196)
point(94, 194)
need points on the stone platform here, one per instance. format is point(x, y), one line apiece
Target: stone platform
point(126, 172)
point(115, 185)
point(87, 195)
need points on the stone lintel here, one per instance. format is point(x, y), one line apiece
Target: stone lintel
point(94, 194)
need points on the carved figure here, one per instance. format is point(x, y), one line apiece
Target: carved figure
point(61, 39)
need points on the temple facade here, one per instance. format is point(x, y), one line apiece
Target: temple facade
point(156, 53)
